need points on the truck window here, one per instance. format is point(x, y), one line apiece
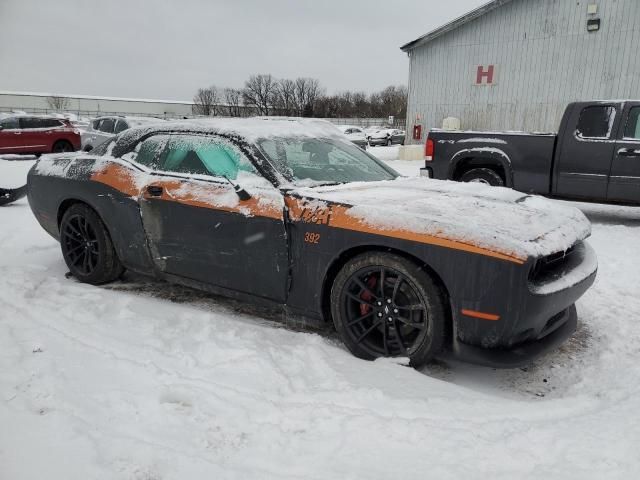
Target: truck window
point(632, 128)
point(596, 122)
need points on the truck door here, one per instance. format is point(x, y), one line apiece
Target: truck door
point(624, 180)
point(586, 153)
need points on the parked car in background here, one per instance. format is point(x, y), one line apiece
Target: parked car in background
point(595, 156)
point(386, 136)
point(355, 134)
point(402, 266)
point(102, 129)
point(32, 134)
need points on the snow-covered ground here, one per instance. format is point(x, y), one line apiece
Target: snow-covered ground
point(142, 380)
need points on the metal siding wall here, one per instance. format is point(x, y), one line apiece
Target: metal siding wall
point(545, 58)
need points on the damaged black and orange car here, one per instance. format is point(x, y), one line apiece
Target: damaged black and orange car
point(288, 212)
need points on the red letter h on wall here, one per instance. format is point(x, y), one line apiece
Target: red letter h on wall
point(484, 76)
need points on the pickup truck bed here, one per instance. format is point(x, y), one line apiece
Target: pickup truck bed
point(595, 156)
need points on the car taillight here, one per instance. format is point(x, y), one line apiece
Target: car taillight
point(429, 150)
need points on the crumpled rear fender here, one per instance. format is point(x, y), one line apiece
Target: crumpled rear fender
point(9, 195)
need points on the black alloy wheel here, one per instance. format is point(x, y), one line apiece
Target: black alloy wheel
point(86, 246)
point(385, 306)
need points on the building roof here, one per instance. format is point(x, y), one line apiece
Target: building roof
point(452, 25)
point(92, 97)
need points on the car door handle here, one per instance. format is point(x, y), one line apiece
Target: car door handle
point(154, 190)
point(628, 152)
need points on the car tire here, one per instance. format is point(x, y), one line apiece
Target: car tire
point(87, 247)
point(377, 322)
point(62, 146)
point(487, 176)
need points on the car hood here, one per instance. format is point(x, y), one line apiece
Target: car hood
point(495, 219)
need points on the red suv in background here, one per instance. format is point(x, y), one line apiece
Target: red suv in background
point(32, 134)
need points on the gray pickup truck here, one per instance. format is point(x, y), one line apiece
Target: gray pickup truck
point(595, 156)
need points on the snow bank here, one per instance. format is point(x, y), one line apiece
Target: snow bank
point(141, 380)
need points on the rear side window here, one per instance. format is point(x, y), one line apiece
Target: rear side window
point(121, 126)
point(596, 122)
point(107, 125)
point(10, 123)
point(149, 151)
point(50, 123)
point(205, 156)
point(632, 128)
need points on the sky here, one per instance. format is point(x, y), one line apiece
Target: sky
point(167, 49)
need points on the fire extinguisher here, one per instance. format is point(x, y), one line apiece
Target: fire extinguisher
point(417, 132)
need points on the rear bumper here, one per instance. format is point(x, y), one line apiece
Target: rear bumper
point(525, 353)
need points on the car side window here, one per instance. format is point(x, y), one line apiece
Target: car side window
point(148, 152)
point(632, 128)
point(29, 123)
point(121, 126)
point(50, 123)
point(204, 155)
point(596, 122)
point(10, 123)
point(96, 124)
point(107, 125)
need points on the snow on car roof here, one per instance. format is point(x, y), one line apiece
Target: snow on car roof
point(252, 129)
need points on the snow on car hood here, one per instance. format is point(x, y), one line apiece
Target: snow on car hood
point(497, 219)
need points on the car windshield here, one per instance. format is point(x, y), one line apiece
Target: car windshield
point(323, 161)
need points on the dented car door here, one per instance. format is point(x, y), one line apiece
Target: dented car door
point(199, 228)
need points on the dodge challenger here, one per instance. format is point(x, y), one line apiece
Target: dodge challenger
point(288, 212)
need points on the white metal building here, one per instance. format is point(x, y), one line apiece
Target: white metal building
point(93, 106)
point(515, 64)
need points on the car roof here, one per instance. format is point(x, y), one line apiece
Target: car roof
point(248, 129)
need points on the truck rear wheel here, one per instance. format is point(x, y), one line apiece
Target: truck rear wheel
point(487, 176)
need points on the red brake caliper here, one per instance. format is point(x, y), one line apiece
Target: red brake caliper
point(366, 296)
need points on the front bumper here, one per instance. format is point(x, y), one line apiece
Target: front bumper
point(564, 326)
point(535, 308)
point(378, 141)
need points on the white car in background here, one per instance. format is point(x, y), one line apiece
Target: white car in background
point(102, 129)
point(355, 134)
point(386, 136)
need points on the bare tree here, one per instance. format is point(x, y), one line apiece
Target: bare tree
point(307, 91)
point(285, 97)
point(58, 103)
point(233, 99)
point(393, 101)
point(205, 101)
point(259, 92)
